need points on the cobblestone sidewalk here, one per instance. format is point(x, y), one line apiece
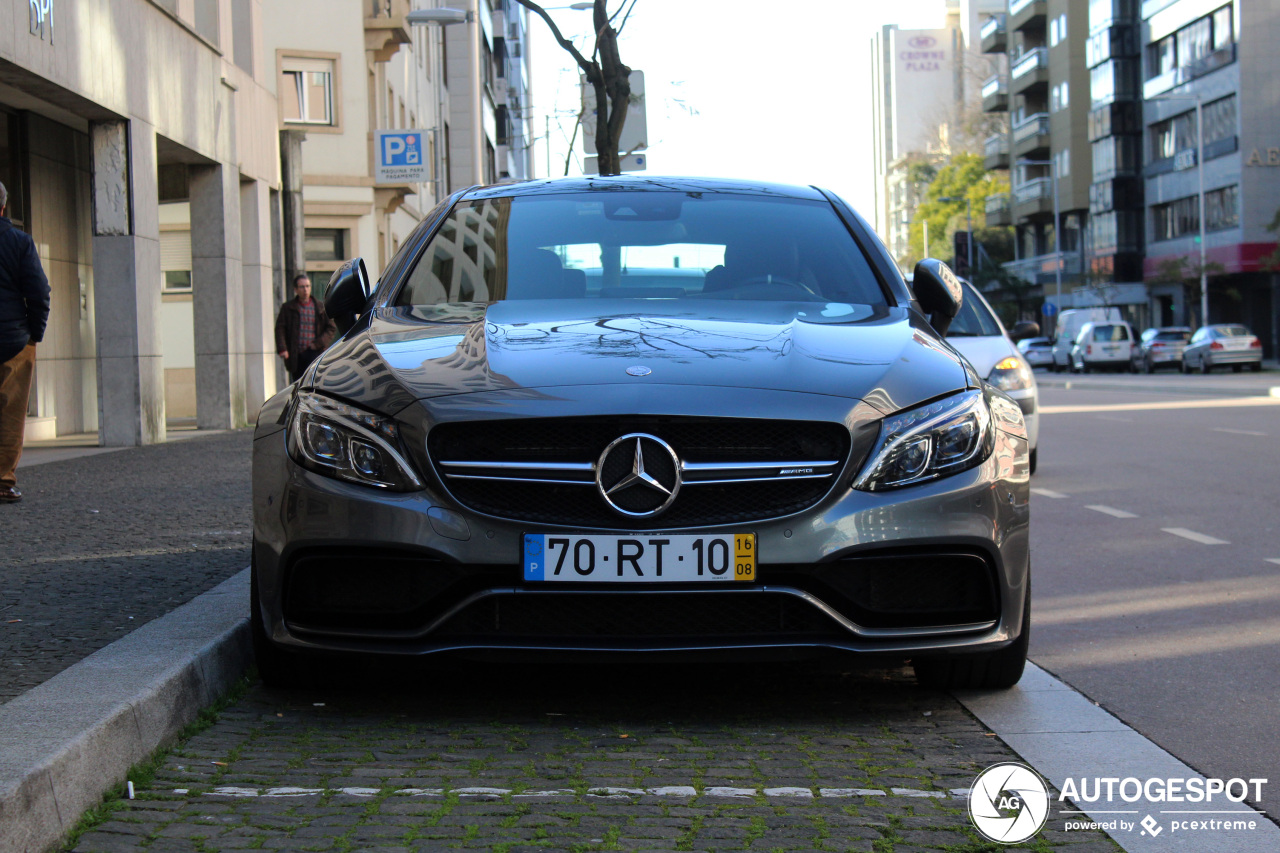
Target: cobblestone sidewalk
point(766, 758)
point(103, 544)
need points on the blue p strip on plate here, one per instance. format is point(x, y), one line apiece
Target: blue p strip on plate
point(535, 555)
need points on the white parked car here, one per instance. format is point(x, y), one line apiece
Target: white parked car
point(981, 338)
point(1102, 345)
point(1068, 329)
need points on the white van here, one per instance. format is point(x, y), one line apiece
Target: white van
point(1102, 345)
point(1069, 325)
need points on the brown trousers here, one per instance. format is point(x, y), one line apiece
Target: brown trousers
point(15, 389)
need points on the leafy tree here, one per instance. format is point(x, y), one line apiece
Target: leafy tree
point(962, 177)
point(605, 73)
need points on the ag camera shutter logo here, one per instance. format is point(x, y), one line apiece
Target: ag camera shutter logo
point(1008, 803)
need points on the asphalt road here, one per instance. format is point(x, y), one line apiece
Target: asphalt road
point(1156, 557)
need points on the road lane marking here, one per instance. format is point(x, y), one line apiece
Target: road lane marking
point(1239, 431)
point(1111, 511)
point(1222, 403)
point(1117, 420)
point(1194, 537)
point(1273, 560)
point(1048, 493)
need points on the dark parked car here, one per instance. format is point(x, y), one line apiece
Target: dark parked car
point(1160, 348)
point(517, 446)
point(1217, 346)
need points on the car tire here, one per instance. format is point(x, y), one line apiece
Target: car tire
point(1147, 367)
point(276, 667)
point(1034, 458)
point(1204, 366)
point(1183, 367)
point(1084, 367)
point(998, 670)
point(1236, 368)
point(1255, 367)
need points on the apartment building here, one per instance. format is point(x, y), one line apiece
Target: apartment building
point(109, 110)
point(1217, 60)
point(1047, 150)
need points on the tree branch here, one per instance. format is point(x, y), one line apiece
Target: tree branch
point(586, 65)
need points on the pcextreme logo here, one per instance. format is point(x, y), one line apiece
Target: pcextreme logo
point(1008, 803)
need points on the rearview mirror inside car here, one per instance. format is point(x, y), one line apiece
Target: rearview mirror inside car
point(347, 294)
point(938, 292)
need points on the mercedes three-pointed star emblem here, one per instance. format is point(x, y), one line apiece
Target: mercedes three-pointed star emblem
point(642, 491)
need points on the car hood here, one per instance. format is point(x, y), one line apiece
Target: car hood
point(884, 356)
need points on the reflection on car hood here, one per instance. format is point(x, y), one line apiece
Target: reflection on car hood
point(843, 350)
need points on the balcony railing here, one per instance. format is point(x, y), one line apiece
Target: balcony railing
point(1032, 190)
point(1018, 5)
point(1031, 60)
point(1034, 125)
point(993, 25)
point(995, 86)
point(997, 204)
point(993, 145)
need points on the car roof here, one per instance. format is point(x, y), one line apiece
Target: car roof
point(642, 183)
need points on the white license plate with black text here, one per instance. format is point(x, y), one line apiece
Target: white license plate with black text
point(643, 558)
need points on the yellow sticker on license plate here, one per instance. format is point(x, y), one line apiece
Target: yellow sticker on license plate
point(641, 558)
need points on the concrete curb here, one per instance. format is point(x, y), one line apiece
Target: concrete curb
point(66, 742)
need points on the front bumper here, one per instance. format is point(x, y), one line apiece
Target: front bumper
point(462, 588)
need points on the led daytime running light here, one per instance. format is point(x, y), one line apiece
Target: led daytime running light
point(934, 440)
point(341, 441)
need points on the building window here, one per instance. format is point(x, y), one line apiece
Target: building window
point(1182, 217)
point(1179, 133)
point(1195, 43)
point(175, 261)
point(306, 91)
point(1058, 30)
point(325, 244)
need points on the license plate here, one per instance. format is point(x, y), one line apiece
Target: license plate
point(581, 558)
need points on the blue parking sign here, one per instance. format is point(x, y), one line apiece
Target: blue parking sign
point(401, 156)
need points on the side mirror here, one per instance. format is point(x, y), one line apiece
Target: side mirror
point(938, 292)
point(347, 294)
point(1025, 329)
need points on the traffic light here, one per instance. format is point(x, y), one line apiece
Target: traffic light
point(962, 260)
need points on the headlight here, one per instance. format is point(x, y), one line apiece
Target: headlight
point(338, 440)
point(944, 437)
point(1012, 374)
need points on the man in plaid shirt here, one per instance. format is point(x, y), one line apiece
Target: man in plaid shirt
point(303, 329)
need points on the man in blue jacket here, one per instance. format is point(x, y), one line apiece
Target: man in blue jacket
point(24, 311)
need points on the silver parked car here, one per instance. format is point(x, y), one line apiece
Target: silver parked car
point(1160, 347)
point(515, 447)
point(1037, 351)
point(1221, 345)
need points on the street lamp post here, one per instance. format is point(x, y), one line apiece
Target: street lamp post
point(1057, 225)
point(1204, 273)
point(443, 17)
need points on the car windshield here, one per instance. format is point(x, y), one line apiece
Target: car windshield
point(974, 318)
point(1230, 331)
point(1110, 333)
point(642, 245)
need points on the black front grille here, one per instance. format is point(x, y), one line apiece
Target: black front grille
point(639, 616)
point(582, 440)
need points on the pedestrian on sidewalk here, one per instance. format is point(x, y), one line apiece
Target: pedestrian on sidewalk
point(24, 311)
point(303, 330)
